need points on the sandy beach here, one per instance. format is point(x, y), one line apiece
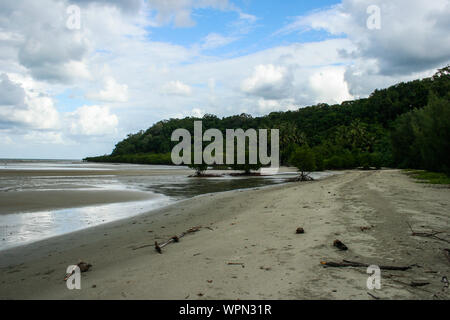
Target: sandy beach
point(255, 231)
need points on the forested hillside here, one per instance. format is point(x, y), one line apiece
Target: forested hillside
point(406, 125)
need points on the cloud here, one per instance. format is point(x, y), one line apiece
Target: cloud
point(329, 85)
point(198, 113)
point(38, 40)
point(176, 88)
point(112, 92)
point(11, 94)
point(92, 121)
point(24, 108)
point(39, 137)
point(413, 38)
point(215, 40)
point(135, 80)
point(129, 6)
point(267, 106)
point(179, 12)
point(268, 81)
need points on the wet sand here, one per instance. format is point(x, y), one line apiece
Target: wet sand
point(30, 201)
point(256, 229)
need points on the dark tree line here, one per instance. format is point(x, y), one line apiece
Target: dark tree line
point(406, 125)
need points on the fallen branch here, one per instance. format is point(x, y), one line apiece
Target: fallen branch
point(347, 263)
point(236, 264)
point(413, 284)
point(418, 284)
point(427, 234)
point(375, 297)
point(158, 247)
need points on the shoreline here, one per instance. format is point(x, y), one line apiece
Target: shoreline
point(255, 227)
point(70, 200)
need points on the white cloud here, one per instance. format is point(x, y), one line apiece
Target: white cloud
point(176, 88)
point(23, 107)
point(215, 40)
point(92, 120)
point(44, 60)
point(11, 94)
point(43, 137)
point(268, 81)
point(330, 86)
point(266, 106)
point(179, 11)
point(414, 38)
point(112, 92)
point(198, 113)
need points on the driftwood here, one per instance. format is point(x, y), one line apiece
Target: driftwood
point(432, 234)
point(236, 264)
point(412, 284)
point(346, 263)
point(375, 297)
point(159, 246)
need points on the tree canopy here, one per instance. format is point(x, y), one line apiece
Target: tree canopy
point(405, 125)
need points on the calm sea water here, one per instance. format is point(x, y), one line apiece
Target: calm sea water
point(163, 184)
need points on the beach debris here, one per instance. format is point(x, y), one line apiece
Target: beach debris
point(84, 267)
point(346, 263)
point(432, 234)
point(236, 264)
point(340, 245)
point(373, 296)
point(418, 284)
point(365, 228)
point(209, 281)
point(158, 246)
point(299, 230)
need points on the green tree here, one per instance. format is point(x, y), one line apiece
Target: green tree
point(303, 159)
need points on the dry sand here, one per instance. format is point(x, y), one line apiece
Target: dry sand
point(255, 228)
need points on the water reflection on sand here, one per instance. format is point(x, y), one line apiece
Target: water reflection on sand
point(163, 184)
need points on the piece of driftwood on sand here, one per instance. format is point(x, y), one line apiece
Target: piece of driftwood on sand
point(432, 234)
point(346, 263)
point(159, 246)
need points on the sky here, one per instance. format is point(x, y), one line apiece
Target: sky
point(77, 76)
